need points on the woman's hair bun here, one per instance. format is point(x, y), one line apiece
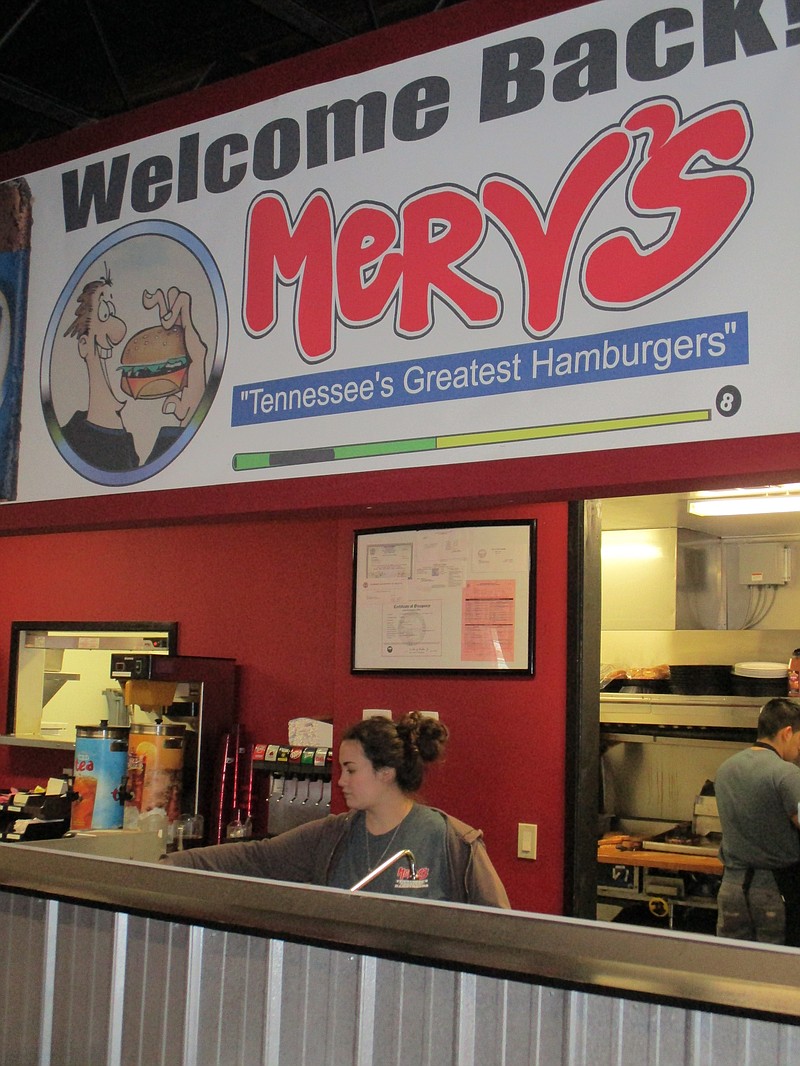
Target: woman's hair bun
point(423, 735)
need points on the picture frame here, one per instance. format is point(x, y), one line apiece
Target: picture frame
point(447, 598)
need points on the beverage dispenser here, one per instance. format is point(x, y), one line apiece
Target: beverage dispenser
point(188, 702)
point(154, 793)
point(100, 769)
point(298, 785)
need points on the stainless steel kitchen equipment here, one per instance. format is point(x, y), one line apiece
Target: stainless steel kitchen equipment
point(659, 756)
point(658, 750)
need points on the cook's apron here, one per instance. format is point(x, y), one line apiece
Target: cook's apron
point(787, 879)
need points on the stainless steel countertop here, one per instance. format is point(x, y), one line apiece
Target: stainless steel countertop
point(662, 966)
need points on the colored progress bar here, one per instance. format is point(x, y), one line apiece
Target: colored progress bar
point(299, 456)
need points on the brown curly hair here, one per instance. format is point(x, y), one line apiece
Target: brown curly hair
point(406, 746)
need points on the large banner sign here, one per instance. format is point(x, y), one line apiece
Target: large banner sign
point(579, 234)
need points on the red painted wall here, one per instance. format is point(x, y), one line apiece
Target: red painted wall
point(275, 594)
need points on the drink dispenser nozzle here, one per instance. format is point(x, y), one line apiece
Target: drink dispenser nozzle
point(124, 794)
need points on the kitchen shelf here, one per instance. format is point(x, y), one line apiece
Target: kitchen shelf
point(11, 741)
point(660, 698)
point(651, 734)
point(709, 716)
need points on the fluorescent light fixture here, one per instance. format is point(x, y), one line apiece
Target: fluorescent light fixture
point(770, 499)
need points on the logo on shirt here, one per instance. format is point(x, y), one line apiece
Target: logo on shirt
point(403, 878)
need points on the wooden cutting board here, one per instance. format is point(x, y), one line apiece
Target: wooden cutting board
point(663, 860)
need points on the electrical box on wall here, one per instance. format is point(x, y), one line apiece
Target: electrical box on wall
point(764, 564)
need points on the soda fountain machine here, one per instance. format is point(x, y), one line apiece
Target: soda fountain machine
point(298, 785)
point(180, 761)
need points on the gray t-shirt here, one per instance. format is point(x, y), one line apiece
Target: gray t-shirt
point(422, 831)
point(757, 793)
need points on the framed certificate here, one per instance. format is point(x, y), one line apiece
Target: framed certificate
point(456, 597)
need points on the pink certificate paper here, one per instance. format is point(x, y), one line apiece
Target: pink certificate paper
point(488, 621)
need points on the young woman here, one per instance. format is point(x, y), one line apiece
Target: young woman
point(382, 768)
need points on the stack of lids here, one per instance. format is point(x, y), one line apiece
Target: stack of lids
point(760, 679)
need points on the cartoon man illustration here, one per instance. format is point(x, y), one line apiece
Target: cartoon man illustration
point(166, 361)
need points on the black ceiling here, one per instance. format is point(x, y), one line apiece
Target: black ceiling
point(65, 63)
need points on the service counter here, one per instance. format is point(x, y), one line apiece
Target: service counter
point(193, 961)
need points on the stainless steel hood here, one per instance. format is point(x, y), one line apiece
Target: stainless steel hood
point(681, 569)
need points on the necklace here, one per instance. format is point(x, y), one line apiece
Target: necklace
point(383, 854)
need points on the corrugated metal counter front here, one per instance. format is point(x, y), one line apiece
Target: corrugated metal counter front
point(664, 967)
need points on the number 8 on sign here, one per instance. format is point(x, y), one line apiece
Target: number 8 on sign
point(729, 400)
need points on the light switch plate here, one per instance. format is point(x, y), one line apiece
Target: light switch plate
point(526, 840)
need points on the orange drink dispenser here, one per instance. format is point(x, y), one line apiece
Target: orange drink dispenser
point(155, 773)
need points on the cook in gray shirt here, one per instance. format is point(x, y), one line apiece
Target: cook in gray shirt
point(758, 791)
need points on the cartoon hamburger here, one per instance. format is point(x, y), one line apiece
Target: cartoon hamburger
point(154, 363)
